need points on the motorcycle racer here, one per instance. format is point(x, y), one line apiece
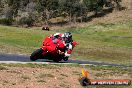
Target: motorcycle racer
point(55, 47)
point(67, 37)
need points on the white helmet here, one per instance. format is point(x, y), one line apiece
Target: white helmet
point(67, 37)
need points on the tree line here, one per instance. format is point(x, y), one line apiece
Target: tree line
point(29, 12)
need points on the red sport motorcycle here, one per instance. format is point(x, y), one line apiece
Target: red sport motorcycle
point(53, 51)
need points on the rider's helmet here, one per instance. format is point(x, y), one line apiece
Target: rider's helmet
point(67, 37)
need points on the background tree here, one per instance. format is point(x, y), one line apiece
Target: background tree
point(14, 6)
point(48, 9)
point(41, 11)
point(1, 7)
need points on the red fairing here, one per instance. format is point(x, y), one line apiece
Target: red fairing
point(47, 41)
point(61, 45)
point(50, 46)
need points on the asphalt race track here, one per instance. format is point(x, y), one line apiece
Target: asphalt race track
point(8, 58)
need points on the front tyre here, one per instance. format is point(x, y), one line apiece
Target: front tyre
point(65, 58)
point(36, 54)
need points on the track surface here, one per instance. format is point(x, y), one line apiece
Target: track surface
point(8, 58)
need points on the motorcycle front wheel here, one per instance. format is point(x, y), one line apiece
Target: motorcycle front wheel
point(36, 54)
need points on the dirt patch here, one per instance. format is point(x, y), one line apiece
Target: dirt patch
point(60, 77)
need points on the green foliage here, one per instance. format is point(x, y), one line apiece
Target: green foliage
point(26, 20)
point(48, 9)
point(3, 67)
point(90, 4)
point(14, 5)
point(6, 21)
point(94, 5)
point(41, 5)
point(71, 6)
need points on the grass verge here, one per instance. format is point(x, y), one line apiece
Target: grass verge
point(111, 43)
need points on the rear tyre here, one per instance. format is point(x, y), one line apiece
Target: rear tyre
point(36, 54)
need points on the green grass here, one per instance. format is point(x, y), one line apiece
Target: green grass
point(24, 41)
point(3, 67)
point(95, 42)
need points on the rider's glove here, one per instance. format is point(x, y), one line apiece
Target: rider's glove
point(68, 53)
